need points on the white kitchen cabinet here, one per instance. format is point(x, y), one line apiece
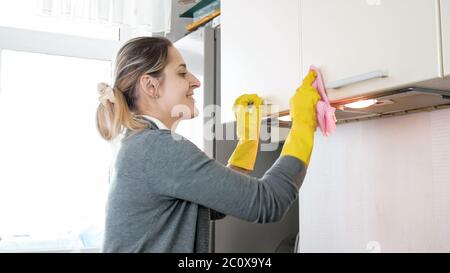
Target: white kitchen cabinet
point(350, 38)
point(445, 18)
point(260, 51)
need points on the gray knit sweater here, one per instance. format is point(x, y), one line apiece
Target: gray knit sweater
point(162, 188)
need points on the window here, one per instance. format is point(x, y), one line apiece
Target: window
point(53, 164)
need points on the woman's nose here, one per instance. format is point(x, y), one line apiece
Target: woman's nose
point(195, 82)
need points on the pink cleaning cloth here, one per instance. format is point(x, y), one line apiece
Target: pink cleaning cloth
point(326, 118)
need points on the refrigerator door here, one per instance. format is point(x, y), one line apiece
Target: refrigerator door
point(231, 234)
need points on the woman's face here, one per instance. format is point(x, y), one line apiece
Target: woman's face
point(177, 88)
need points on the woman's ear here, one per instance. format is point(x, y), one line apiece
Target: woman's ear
point(149, 85)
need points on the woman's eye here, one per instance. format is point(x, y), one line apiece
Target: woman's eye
point(183, 74)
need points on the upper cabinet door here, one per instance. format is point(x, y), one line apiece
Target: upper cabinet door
point(355, 42)
point(260, 50)
point(445, 18)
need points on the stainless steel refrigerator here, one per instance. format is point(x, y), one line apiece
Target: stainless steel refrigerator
point(201, 51)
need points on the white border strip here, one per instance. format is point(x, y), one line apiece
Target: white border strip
point(439, 39)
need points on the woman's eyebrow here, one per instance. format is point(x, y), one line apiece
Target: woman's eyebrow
point(183, 65)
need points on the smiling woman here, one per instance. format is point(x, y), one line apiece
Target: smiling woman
point(163, 187)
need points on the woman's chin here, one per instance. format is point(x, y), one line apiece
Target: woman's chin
point(190, 114)
point(195, 112)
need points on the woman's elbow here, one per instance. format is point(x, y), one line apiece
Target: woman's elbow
point(274, 204)
point(274, 214)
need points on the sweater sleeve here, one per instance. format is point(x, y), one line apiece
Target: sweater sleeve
point(185, 172)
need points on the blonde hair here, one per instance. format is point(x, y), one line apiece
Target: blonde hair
point(117, 110)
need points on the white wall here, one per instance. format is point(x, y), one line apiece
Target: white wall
point(380, 185)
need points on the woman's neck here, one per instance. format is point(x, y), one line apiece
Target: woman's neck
point(170, 123)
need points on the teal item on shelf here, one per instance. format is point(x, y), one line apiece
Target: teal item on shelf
point(199, 14)
point(201, 8)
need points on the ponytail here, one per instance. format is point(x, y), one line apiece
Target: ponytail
point(113, 114)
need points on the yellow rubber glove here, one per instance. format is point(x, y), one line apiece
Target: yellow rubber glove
point(248, 117)
point(300, 140)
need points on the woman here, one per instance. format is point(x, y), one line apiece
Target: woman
point(163, 186)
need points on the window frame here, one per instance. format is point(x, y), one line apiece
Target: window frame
point(56, 44)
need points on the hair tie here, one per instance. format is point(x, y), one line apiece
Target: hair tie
point(106, 93)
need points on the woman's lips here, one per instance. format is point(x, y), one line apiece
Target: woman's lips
point(190, 96)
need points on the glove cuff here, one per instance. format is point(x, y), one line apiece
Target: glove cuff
point(299, 142)
point(244, 156)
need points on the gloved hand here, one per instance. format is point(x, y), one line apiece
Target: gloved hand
point(300, 140)
point(248, 117)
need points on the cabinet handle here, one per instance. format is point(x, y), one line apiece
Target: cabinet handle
point(356, 79)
